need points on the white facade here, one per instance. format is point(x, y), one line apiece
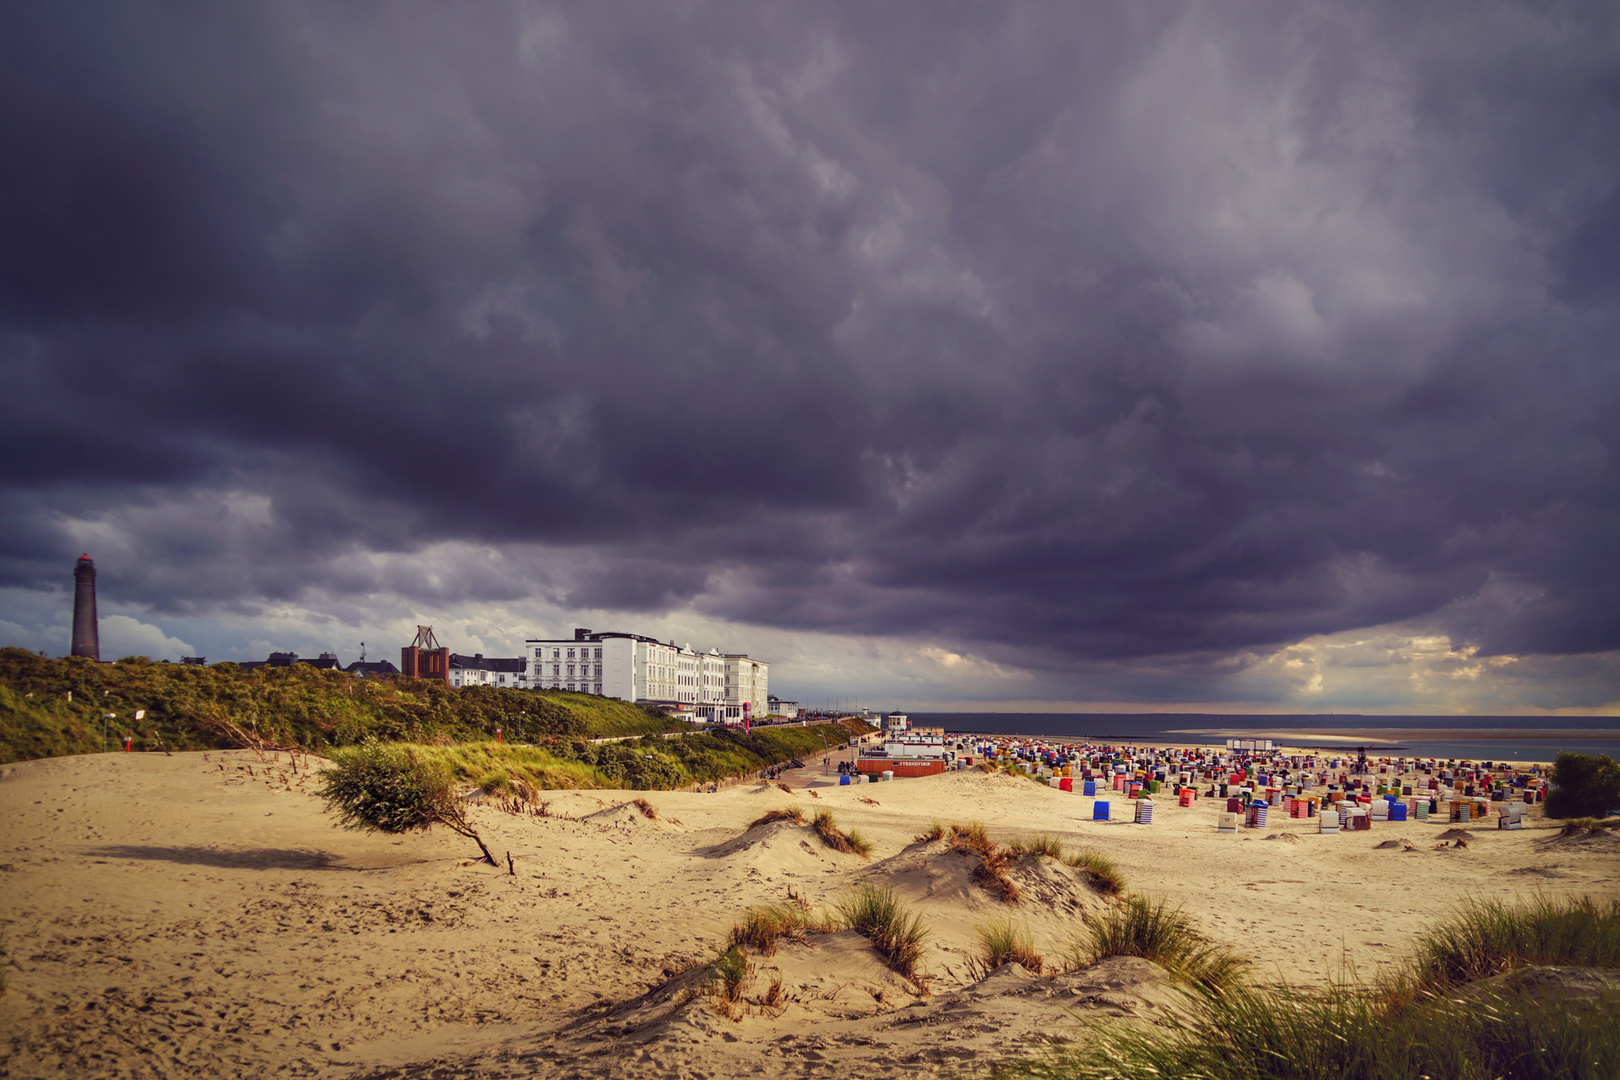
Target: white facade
point(747, 684)
point(478, 670)
point(635, 668)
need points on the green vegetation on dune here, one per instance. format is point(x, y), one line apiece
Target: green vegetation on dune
point(651, 763)
point(53, 707)
point(1433, 1018)
point(298, 705)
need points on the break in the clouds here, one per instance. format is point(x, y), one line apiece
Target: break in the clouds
point(1006, 352)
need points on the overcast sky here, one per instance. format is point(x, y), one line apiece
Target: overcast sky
point(1230, 357)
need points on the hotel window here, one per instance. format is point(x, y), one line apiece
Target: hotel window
point(570, 654)
point(555, 653)
point(570, 671)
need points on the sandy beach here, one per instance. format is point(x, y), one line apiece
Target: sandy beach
point(194, 914)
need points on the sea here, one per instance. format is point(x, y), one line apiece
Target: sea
point(1476, 738)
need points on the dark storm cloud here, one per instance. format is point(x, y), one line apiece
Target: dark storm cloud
point(1106, 334)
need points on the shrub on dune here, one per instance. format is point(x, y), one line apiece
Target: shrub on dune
point(392, 789)
point(1583, 785)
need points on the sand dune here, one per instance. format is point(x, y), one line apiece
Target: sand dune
point(194, 914)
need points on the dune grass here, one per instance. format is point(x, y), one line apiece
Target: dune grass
point(991, 870)
point(1576, 826)
point(763, 928)
point(1488, 938)
point(788, 813)
point(1001, 942)
point(1287, 1035)
point(935, 831)
point(728, 978)
point(1162, 934)
point(1099, 871)
point(971, 837)
point(895, 932)
point(1414, 1025)
point(646, 808)
point(850, 843)
point(1049, 846)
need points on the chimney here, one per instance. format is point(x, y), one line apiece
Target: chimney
point(86, 636)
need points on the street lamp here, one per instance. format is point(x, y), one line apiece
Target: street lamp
point(105, 717)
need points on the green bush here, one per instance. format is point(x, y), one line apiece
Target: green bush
point(1584, 785)
point(389, 788)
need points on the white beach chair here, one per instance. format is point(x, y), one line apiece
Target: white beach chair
point(1329, 822)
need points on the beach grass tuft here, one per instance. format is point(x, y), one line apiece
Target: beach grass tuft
point(1049, 846)
point(788, 813)
point(991, 870)
point(826, 827)
point(935, 831)
point(646, 809)
point(1280, 1034)
point(1001, 942)
point(895, 932)
point(1099, 872)
point(729, 976)
point(762, 928)
point(1162, 934)
point(1489, 938)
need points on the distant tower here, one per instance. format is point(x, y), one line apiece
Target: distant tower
point(425, 658)
point(86, 638)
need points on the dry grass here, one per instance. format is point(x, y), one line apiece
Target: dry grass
point(1577, 826)
point(762, 928)
point(991, 871)
point(850, 843)
point(936, 831)
point(971, 837)
point(789, 813)
point(1049, 846)
point(1002, 943)
point(646, 809)
point(784, 787)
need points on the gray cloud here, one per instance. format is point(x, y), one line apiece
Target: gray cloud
point(1103, 335)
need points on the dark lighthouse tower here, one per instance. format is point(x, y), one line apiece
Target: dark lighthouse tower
point(86, 638)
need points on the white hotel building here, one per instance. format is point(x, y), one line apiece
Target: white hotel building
point(715, 685)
